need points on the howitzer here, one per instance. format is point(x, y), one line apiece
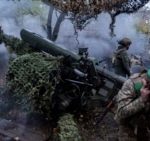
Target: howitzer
point(38, 42)
point(113, 82)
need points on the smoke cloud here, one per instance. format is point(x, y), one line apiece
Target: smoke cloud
point(16, 15)
point(96, 35)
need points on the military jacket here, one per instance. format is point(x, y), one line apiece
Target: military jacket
point(128, 103)
point(122, 62)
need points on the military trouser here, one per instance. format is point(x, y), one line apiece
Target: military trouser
point(120, 71)
point(126, 133)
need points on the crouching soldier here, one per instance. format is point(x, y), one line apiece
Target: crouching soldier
point(133, 103)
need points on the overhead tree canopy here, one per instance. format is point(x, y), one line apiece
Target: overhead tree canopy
point(78, 6)
point(96, 6)
point(82, 10)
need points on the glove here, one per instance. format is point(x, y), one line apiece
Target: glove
point(145, 91)
point(145, 94)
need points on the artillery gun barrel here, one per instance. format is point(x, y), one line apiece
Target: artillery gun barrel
point(38, 42)
point(110, 75)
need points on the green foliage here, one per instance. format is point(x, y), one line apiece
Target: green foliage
point(68, 129)
point(16, 45)
point(29, 84)
point(33, 9)
point(143, 27)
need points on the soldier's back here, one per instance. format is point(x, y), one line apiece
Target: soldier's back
point(118, 63)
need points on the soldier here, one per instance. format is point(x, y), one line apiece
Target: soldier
point(133, 103)
point(121, 59)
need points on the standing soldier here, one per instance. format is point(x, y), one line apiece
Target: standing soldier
point(121, 59)
point(133, 103)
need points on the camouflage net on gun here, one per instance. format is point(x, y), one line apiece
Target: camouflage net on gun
point(28, 81)
point(14, 44)
point(68, 129)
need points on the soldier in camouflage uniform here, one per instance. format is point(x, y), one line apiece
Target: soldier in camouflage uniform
point(133, 102)
point(121, 59)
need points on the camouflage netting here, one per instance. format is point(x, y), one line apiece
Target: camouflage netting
point(14, 44)
point(95, 6)
point(68, 129)
point(29, 84)
point(83, 10)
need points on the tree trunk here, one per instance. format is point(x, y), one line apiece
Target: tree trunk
point(49, 22)
point(57, 26)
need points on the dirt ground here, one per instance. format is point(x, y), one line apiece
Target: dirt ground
point(106, 130)
point(86, 122)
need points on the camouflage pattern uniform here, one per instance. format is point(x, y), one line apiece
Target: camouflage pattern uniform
point(122, 62)
point(130, 113)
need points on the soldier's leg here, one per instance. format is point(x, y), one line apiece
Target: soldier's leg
point(120, 72)
point(126, 133)
point(142, 132)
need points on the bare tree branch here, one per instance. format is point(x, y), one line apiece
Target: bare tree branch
point(49, 22)
point(57, 26)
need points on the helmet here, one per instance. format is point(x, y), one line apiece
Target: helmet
point(125, 42)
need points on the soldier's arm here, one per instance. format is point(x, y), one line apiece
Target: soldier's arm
point(126, 62)
point(127, 104)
